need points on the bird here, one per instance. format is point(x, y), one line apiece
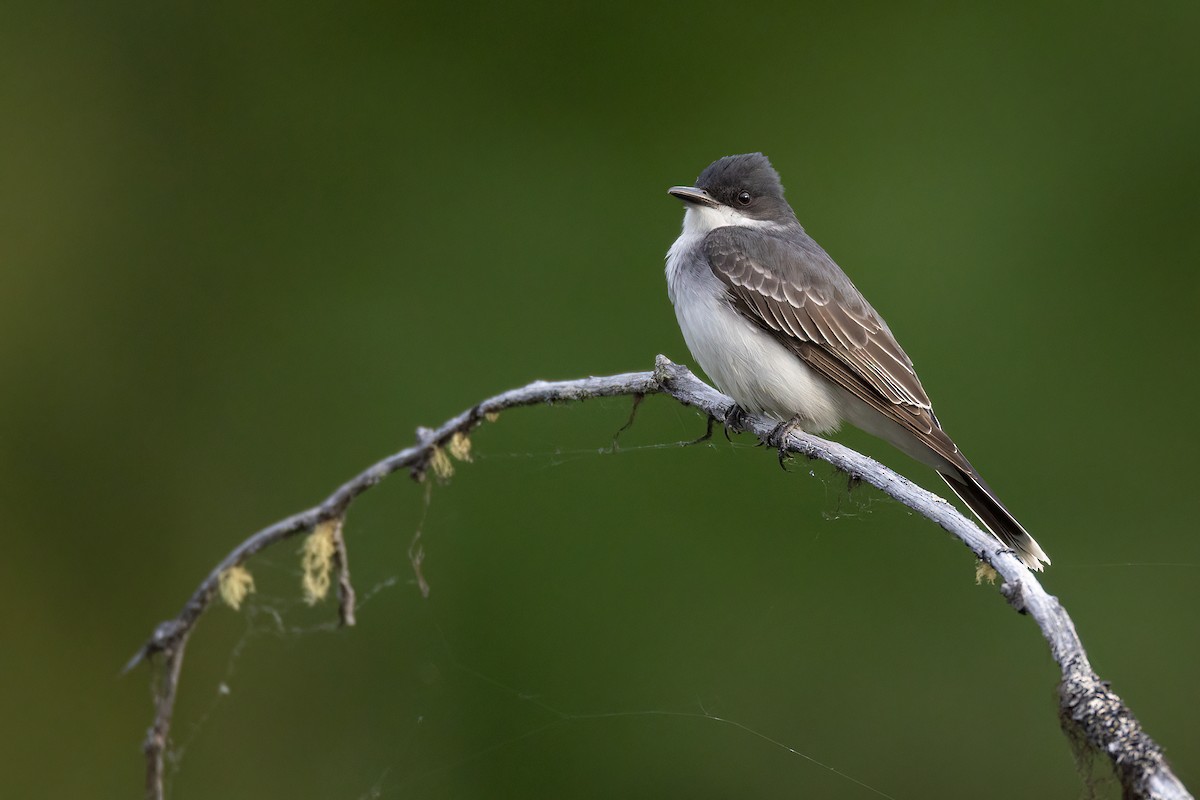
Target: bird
point(779, 327)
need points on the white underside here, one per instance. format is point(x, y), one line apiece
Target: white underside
point(747, 364)
point(743, 361)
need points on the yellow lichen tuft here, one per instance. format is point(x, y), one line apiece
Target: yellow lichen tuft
point(234, 584)
point(316, 559)
point(984, 572)
point(459, 446)
point(441, 464)
point(492, 416)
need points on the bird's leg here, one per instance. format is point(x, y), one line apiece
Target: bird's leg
point(779, 435)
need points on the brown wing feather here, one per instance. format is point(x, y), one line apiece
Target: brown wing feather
point(793, 290)
point(796, 291)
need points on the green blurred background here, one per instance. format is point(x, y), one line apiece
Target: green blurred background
point(248, 248)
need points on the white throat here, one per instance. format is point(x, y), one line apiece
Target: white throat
point(699, 220)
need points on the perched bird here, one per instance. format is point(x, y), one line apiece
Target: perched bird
point(778, 326)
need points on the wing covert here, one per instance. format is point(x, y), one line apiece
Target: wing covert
point(795, 291)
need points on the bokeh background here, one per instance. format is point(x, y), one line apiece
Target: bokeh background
point(249, 247)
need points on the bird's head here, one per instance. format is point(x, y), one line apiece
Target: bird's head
point(736, 190)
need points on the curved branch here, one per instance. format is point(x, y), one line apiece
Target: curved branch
point(1090, 711)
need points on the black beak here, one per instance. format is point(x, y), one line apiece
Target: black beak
point(694, 196)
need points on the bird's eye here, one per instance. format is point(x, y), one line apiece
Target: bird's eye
point(744, 198)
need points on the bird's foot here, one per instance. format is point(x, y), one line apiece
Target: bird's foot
point(735, 417)
point(778, 437)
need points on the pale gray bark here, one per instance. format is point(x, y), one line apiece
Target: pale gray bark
point(1089, 710)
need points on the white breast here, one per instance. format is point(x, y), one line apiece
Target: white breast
point(742, 360)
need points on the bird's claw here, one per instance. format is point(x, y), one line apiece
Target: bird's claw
point(735, 417)
point(778, 437)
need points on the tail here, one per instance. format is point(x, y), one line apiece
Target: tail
point(996, 518)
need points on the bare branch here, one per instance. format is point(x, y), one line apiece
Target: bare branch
point(1090, 711)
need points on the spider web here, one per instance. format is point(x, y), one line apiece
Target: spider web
point(450, 712)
